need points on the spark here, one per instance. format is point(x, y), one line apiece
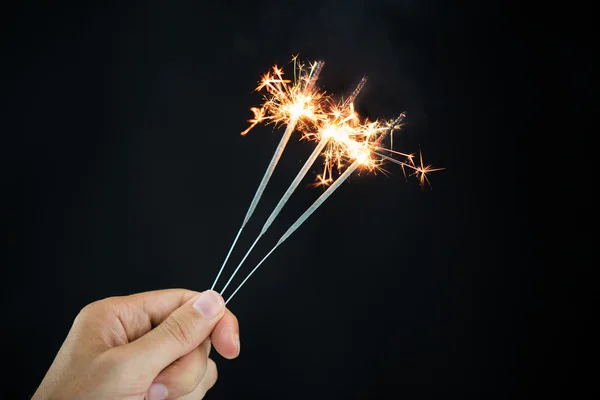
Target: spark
point(421, 171)
point(287, 100)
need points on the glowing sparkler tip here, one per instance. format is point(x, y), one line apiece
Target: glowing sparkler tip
point(317, 117)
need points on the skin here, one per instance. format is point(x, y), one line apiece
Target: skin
point(146, 346)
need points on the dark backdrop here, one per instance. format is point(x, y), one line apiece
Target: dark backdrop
point(125, 172)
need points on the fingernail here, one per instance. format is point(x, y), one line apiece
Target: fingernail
point(237, 341)
point(157, 391)
point(209, 304)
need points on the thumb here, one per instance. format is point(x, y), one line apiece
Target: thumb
point(180, 333)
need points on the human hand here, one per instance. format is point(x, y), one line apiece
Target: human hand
point(149, 346)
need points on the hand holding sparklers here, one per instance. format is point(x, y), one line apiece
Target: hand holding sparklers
point(342, 140)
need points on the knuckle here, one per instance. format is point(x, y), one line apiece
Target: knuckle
point(179, 329)
point(100, 309)
point(90, 311)
point(87, 311)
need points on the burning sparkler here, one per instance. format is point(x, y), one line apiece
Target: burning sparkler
point(342, 139)
point(298, 103)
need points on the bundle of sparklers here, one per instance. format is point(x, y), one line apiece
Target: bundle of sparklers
point(345, 142)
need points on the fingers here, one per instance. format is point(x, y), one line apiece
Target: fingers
point(183, 376)
point(208, 381)
point(139, 313)
point(226, 336)
point(179, 334)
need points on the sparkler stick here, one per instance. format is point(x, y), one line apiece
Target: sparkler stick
point(291, 125)
point(303, 218)
point(355, 93)
point(290, 190)
point(317, 204)
point(280, 205)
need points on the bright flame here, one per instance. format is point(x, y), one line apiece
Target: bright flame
point(285, 100)
point(347, 137)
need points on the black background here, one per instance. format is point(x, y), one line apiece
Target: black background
point(124, 171)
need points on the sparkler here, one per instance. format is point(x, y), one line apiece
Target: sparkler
point(339, 121)
point(343, 140)
point(295, 104)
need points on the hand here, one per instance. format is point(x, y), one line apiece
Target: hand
point(149, 346)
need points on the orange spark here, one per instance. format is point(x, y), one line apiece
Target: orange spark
point(318, 118)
